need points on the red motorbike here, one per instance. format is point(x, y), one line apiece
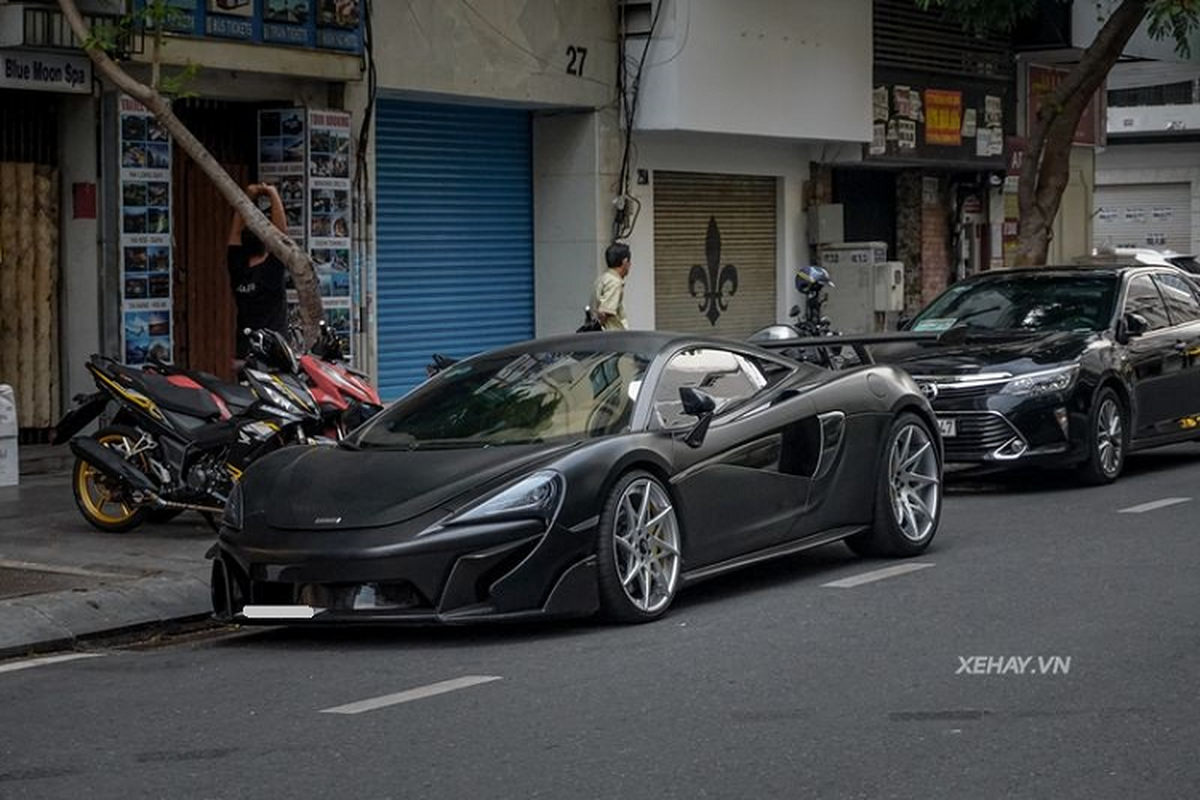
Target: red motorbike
point(344, 395)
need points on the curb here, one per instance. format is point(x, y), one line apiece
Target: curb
point(60, 619)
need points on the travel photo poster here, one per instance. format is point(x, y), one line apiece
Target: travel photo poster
point(282, 162)
point(145, 236)
point(330, 217)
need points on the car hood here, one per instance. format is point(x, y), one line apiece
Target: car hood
point(1015, 354)
point(336, 488)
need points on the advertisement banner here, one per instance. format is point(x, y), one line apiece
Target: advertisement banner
point(330, 217)
point(145, 236)
point(943, 117)
point(1042, 82)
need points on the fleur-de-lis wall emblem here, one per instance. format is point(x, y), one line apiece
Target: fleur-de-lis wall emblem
point(714, 279)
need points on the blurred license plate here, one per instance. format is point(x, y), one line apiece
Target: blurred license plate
point(947, 426)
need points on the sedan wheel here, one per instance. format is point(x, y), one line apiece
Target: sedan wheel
point(1106, 440)
point(908, 500)
point(638, 550)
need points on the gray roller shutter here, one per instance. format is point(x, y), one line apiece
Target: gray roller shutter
point(714, 252)
point(1144, 215)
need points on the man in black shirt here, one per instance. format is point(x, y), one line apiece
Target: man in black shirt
point(258, 279)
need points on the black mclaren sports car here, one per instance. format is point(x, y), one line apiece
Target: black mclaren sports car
point(588, 473)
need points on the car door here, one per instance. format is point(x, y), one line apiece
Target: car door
point(1182, 297)
point(736, 491)
point(1154, 362)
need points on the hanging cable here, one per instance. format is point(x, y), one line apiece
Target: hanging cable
point(627, 206)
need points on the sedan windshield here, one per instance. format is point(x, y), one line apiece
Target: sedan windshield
point(519, 398)
point(1024, 303)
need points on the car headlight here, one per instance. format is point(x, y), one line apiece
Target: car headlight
point(538, 496)
point(232, 518)
point(1046, 382)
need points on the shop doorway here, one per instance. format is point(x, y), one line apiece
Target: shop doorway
point(29, 258)
point(205, 316)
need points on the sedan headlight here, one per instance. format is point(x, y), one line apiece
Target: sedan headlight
point(538, 496)
point(232, 518)
point(1045, 382)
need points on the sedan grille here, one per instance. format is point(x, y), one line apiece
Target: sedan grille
point(978, 436)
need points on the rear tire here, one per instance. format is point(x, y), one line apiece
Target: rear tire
point(908, 497)
point(101, 500)
point(638, 550)
point(1107, 439)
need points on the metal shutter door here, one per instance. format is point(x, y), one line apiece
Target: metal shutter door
point(693, 213)
point(1145, 215)
point(454, 240)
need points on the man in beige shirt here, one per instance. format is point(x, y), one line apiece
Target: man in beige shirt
point(608, 297)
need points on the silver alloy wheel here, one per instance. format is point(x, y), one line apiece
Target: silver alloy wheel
point(1110, 436)
point(913, 467)
point(646, 545)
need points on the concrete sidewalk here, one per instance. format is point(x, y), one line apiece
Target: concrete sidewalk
point(61, 580)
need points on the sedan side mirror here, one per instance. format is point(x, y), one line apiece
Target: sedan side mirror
point(700, 405)
point(794, 312)
point(1133, 324)
point(902, 323)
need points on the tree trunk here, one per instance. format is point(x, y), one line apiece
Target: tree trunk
point(278, 243)
point(1046, 168)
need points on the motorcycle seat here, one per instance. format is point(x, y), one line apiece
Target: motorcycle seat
point(237, 397)
point(193, 402)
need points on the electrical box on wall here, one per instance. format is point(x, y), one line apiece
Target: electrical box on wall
point(826, 224)
point(889, 286)
point(855, 268)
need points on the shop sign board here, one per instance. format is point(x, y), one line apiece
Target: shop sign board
point(47, 72)
point(320, 24)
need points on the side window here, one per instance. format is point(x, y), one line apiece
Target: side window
point(1143, 298)
point(1181, 298)
point(730, 379)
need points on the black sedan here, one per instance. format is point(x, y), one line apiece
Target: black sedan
point(585, 473)
point(1073, 366)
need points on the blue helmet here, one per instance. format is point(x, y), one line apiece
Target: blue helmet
point(812, 279)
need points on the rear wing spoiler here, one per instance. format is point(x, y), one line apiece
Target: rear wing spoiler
point(860, 343)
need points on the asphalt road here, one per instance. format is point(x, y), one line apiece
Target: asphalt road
point(1049, 651)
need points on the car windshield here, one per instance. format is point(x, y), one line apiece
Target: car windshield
point(517, 398)
point(1023, 303)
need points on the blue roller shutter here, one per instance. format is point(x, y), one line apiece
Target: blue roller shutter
point(454, 234)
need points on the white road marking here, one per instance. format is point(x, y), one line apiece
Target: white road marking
point(41, 662)
point(877, 575)
point(1154, 505)
point(409, 695)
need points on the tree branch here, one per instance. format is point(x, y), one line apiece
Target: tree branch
point(277, 242)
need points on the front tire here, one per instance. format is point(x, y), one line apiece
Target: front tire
point(638, 550)
point(1107, 439)
point(101, 499)
point(908, 498)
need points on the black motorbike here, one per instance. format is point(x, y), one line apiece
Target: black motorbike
point(178, 441)
point(812, 283)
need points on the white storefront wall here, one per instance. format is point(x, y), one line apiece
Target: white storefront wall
point(777, 68)
point(1144, 164)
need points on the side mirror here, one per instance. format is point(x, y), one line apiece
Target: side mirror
point(902, 322)
point(794, 312)
point(1132, 325)
point(700, 405)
